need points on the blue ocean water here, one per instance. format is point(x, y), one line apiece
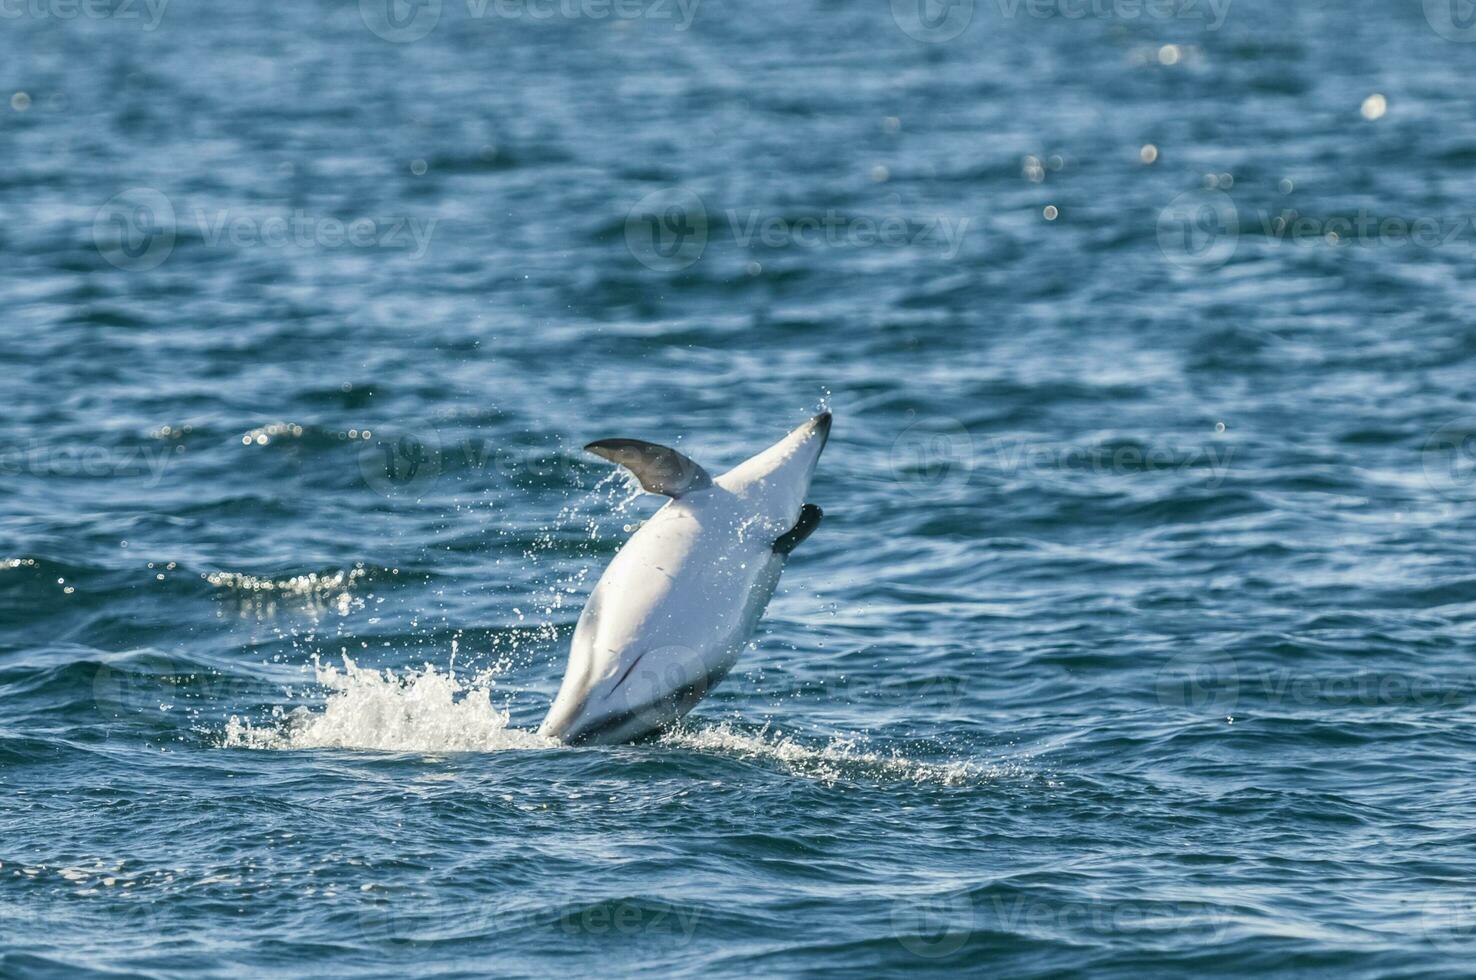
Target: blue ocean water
point(1137, 639)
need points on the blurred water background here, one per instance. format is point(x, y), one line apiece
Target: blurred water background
point(1137, 638)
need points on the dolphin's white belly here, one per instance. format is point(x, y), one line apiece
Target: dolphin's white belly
point(666, 622)
point(680, 600)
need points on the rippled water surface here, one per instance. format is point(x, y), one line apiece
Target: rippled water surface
point(1137, 639)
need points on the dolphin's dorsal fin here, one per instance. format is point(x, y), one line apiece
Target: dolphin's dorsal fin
point(659, 468)
point(809, 519)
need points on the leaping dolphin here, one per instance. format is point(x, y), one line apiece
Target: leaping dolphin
point(680, 600)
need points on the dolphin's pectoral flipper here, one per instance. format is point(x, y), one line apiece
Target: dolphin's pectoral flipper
point(809, 519)
point(659, 468)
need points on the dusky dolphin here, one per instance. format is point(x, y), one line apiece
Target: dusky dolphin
point(679, 602)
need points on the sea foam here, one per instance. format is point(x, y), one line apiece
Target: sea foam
point(424, 710)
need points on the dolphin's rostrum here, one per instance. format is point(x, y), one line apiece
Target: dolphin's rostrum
point(680, 600)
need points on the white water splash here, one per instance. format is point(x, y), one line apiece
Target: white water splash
point(839, 759)
point(416, 711)
point(620, 490)
point(431, 711)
